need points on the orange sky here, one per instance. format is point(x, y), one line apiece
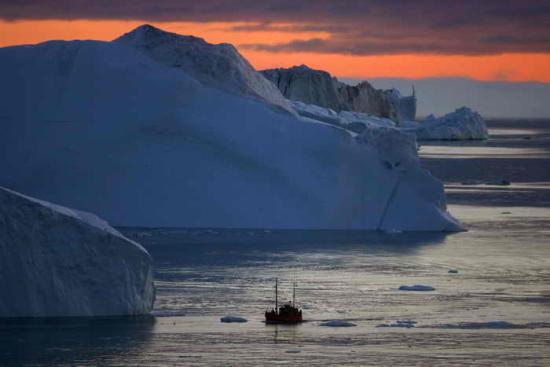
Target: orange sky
point(510, 67)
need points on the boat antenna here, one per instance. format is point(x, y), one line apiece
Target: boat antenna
point(276, 294)
point(294, 293)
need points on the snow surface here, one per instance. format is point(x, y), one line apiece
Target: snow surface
point(221, 64)
point(462, 124)
point(233, 319)
point(354, 121)
point(417, 288)
point(60, 262)
point(338, 323)
point(105, 127)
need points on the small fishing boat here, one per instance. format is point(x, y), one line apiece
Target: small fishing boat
point(287, 313)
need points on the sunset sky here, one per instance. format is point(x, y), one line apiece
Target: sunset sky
point(483, 40)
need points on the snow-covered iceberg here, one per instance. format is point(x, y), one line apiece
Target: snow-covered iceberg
point(317, 87)
point(353, 121)
point(462, 124)
point(219, 65)
point(60, 262)
point(138, 132)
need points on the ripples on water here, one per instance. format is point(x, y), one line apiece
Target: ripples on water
point(494, 310)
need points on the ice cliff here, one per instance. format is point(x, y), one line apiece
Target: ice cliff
point(317, 87)
point(59, 262)
point(156, 129)
point(462, 124)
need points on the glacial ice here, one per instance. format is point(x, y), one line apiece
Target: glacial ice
point(60, 262)
point(407, 324)
point(354, 121)
point(220, 65)
point(417, 288)
point(338, 323)
point(317, 87)
point(230, 319)
point(462, 124)
point(136, 131)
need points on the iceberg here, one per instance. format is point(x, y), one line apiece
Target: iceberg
point(417, 288)
point(60, 262)
point(462, 124)
point(219, 65)
point(356, 122)
point(229, 319)
point(338, 323)
point(407, 324)
point(317, 87)
point(137, 131)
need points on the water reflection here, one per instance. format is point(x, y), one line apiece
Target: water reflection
point(73, 340)
point(224, 247)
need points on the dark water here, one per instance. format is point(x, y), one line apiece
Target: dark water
point(494, 311)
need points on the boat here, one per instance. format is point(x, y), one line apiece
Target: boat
point(287, 313)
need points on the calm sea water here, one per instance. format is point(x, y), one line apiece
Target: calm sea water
point(494, 311)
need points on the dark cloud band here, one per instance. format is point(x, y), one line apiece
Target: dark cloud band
point(361, 27)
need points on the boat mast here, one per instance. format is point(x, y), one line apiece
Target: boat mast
point(276, 294)
point(293, 293)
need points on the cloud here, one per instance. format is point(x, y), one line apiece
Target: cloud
point(361, 27)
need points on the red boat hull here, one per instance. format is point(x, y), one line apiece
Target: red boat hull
point(273, 318)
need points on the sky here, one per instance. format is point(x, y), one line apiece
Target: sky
point(489, 40)
point(482, 40)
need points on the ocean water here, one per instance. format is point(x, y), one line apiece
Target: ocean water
point(494, 310)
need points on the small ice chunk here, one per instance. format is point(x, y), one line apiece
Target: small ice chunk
point(338, 323)
point(293, 351)
point(400, 323)
point(417, 288)
point(233, 319)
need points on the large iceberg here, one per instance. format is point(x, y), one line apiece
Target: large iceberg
point(218, 65)
point(138, 132)
point(317, 87)
point(353, 121)
point(462, 124)
point(60, 262)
